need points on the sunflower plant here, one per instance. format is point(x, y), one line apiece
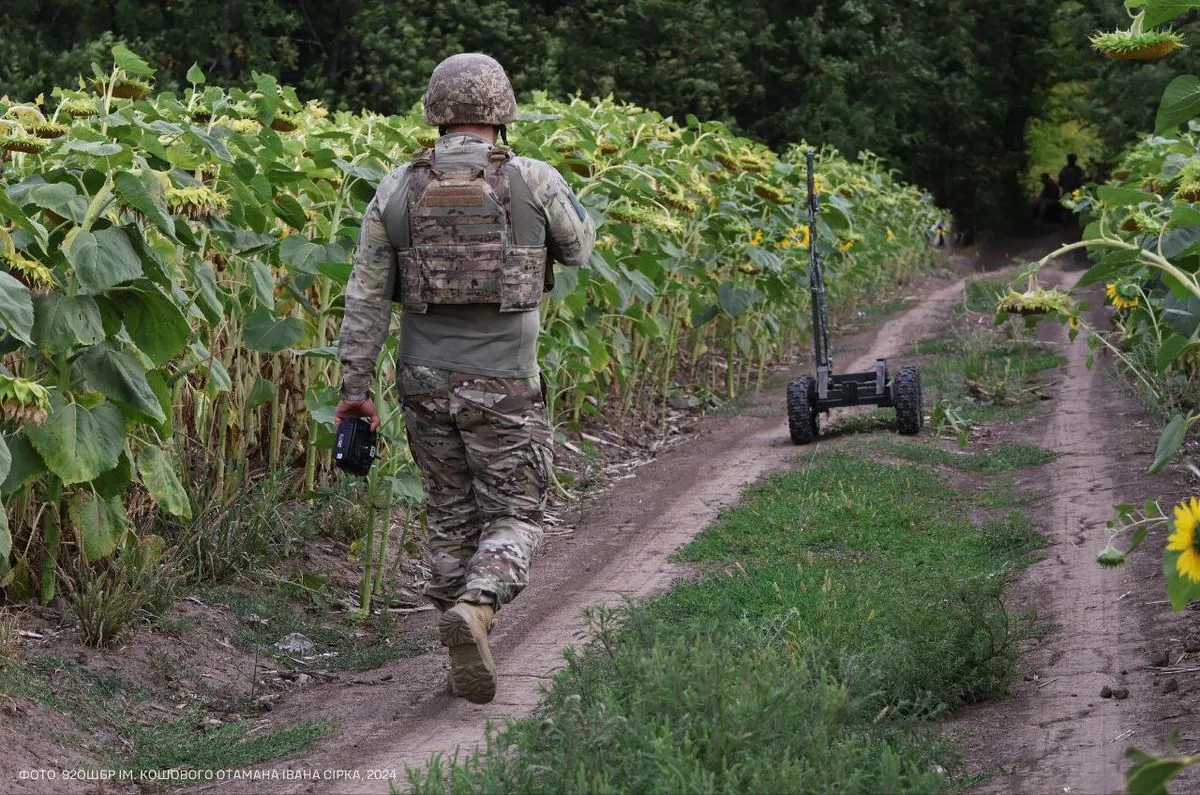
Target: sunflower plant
point(1181, 556)
point(173, 268)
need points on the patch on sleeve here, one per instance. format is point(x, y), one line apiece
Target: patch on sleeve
point(582, 213)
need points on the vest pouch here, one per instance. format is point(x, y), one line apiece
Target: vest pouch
point(523, 278)
point(451, 274)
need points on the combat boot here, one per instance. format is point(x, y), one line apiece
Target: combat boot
point(464, 631)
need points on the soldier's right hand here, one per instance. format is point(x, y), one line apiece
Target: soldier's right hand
point(353, 409)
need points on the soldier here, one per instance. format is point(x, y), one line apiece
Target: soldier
point(1070, 178)
point(462, 237)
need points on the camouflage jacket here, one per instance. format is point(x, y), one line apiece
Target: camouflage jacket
point(456, 337)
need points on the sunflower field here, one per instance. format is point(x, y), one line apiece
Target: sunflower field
point(173, 269)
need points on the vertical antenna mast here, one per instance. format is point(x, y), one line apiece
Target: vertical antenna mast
point(816, 279)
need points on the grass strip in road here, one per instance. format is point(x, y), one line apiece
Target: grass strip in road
point(840, 608)
point(1000, 459)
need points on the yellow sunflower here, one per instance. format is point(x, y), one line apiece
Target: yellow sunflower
point(756, 238)
point(890, 235)
point(1185, 541)
point(1073, 322)
point(1119, 297)
point(846, 245)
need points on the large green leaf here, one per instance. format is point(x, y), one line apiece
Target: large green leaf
point(104, 259)
point(25, 464)
point(77, 443)
point(5, 460)
point(63, 321)
point(1149, 774)
point(263, 283)
point(12, 212)
point(1182, 315)
point(1172, 348)
point(114, 482)
point(158, 476)
point(143, 193)
point(1160, 11)
point(155, 324)
point(210, 298)
point(1180, 589)
point(736, 300)
point(303, 255)
point(1180, 103)
point(60, 198)
point(131, 62)
point(1170, 441)
point(262, 391)
point(270, 334)
point(98, 523)
point(289, 211)
point(119, 376)
point(1116, 196)
point(1180, 242)
point(5, 539)
point(16, 308)
point(195, 75)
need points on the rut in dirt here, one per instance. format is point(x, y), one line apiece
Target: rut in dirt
point(403, 714)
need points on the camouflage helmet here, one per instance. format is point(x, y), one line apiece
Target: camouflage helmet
point(469, 88)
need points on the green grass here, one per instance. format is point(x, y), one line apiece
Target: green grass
point(1000, 459)
point(107, 705)
point(266, 616)
point(843, 606)
point(181, 745)
point(987, 374)
point(862, 422)
point(981, 294)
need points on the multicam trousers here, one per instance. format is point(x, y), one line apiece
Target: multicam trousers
point(483, 447)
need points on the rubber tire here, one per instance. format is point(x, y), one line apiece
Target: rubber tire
point(906, 397)
point(802, 409)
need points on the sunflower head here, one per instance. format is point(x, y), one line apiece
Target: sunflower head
point(628, 212)
point(1184, 540)
point(79, 107)
point(23, 401)
point(1129, 45)
point(728, 162)
point(754, 164)
point(33, 274)
point(125, 88)
point(1037, 301)
point(1110, 557)
point(197, 203)
point(1122, 295)
point(22, 142)
point(285, 122)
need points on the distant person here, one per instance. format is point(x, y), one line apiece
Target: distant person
point(1070, 179)
point(936, 234)
point(1047, 209)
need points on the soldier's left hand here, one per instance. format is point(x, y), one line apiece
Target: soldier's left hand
point(354, 409)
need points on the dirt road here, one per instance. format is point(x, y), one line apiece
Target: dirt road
point(403, 714)
point(1058, 735)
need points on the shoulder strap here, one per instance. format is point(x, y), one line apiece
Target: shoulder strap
point(496, 175)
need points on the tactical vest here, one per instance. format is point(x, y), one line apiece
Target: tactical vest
point(460, 222)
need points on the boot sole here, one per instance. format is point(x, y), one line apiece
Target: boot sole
point(472, 672)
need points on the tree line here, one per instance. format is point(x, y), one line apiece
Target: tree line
point(942, 89)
